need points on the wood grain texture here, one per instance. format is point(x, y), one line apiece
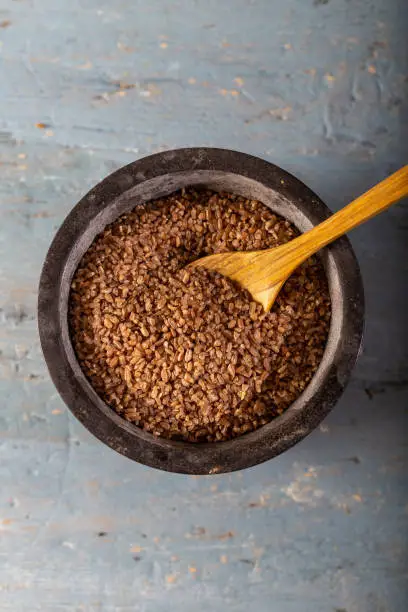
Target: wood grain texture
point(317, 87)
point(264, 272)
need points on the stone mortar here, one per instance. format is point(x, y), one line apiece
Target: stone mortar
point(157, 176)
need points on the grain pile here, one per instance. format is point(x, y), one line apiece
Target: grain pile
point(189, 355)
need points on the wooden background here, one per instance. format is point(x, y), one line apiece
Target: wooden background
point(316, 86)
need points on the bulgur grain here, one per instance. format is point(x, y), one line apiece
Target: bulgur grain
point(187, 354)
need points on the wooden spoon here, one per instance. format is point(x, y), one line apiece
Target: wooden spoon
point(263, 273)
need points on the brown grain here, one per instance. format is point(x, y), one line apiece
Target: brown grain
point(189, 355)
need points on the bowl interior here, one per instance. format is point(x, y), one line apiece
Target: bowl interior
point(217, 181)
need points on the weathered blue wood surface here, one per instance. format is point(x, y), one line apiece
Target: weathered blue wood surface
point(316, 86)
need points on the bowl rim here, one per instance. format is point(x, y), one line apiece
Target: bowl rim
point(126, 438)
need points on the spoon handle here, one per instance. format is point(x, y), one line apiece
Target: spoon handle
point(366, 206)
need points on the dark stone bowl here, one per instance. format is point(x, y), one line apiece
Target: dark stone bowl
point(156, 176)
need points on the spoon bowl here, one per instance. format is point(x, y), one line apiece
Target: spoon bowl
point(263, 273)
